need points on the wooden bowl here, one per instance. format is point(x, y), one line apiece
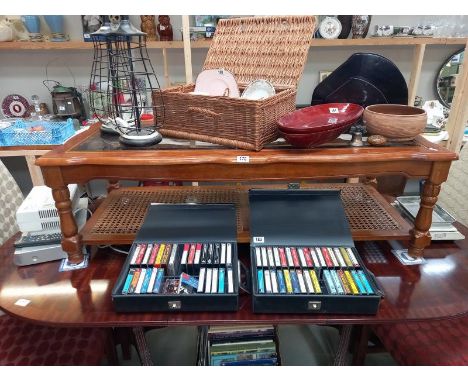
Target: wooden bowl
point(395, 122)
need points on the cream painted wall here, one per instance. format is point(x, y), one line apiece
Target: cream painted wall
point(22, 72)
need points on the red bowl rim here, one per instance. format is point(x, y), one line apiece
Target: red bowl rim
point(314, 132)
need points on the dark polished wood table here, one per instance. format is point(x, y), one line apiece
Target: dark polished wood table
point(435, 290)
point(90, 156)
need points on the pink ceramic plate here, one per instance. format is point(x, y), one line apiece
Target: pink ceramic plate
point(15, 106)
point(217, 82)
point(320, 117)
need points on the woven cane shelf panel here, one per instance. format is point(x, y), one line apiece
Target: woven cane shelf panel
point(119, 217)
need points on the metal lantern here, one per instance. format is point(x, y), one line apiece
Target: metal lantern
point(123, 85)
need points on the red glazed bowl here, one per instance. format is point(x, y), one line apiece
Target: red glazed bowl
point(320, 118)
point(308, 140)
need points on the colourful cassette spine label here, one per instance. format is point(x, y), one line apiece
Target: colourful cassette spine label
point(201, 280)
point(264, 257)
point(141, 254)
point(223, 254)
point(197, 253)
point(162, 248)
point(152, 280)
point(144, 287)
point(358, 282)
point(308, 258)
point(332, 257)
point(281, 284)
point(154, 253)
point(185, 254)
point(295, 282)
point(344, 282)
point(339, 257)
point(315, 281)
point(191, 255)
point(217, 254)
point(159, 280)
point(167, 253)
point(302, 257)
point(321, 258)
point(229, 254)
point(274, 281)
point(352, 257)
point(134, 283)
point(295, 257)
point(189, 280)
point(230, 278)
point(365, 282)
point(209, 272)
point(329, 282)
point(287, 279)
point(336, 280)
point(346, 257)
point(289, 257)
point(308, 282)
point(300, 278)
point(315, 258)
point(271, 259)
point(267, 279)
point(140, 280)
point(128, 281)
point(136, 251)
point(282, 257)
point(210, 254)
point(327, 257)
point(351, 283)
point(221, 280)
point(277, 257)
point(172, 259)
point(214, 281)
point(147, 254)
point(258, 257)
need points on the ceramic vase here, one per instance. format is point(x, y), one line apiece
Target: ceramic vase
point(55, 23)
point(6, 33)
point(346, 22)
point(32, 24)
point(360, 25)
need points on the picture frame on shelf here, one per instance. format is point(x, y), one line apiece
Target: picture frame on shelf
point(324, 74)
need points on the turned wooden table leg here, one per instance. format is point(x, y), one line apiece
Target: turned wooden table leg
point(71, 240)
point(420, 236)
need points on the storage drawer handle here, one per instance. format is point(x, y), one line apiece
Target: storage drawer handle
point(200, 110)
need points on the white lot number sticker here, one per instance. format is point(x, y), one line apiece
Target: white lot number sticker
point(22, 302)
point(243, 159)
point(332, 120)
point(333, 110)
point(258, 239)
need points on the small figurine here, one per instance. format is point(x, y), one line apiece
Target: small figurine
point(165, 28)
point(20, 32)
point(148, 25)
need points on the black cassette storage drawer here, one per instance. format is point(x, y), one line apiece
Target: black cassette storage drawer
point(184, 258)
point(303, 258)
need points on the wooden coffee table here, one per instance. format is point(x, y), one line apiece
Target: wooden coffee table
point(92, 156)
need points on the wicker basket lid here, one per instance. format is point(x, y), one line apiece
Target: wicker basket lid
point(273, 48)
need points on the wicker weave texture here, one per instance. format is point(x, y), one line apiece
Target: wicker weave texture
point(273, 48)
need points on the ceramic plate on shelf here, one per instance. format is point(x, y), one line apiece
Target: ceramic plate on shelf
point(15, 106)
point(258, 89)
point(216, 82)
point(330, 28)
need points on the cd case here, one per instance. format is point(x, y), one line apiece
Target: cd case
point(303, 258)
point(184, 258)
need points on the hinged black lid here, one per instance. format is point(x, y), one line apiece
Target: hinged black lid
point(189, 222)
point(298, 217)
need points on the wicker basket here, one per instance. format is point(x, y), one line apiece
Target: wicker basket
point(271, 48)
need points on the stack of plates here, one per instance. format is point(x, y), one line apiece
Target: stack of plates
point(221, 83)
